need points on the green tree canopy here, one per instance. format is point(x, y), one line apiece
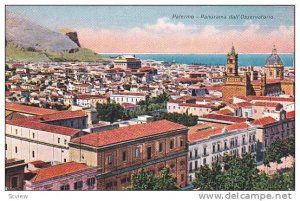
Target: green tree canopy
point(146, 180)
point(110, 112)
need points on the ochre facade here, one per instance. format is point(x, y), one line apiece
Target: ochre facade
point(271, 82)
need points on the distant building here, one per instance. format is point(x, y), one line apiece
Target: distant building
point(66, 176)
point(119, 153)
point(91, 100)
point(128, 97)
point(271, 83)
point(127, 62)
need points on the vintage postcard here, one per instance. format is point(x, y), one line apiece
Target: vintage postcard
point(150, 98)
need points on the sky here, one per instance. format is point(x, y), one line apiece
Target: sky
point(153, 29)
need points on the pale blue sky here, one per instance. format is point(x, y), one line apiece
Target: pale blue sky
point(136, 16)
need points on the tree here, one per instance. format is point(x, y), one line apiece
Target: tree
point(146, 180)
point(184, 119)
point(165, 181)
point(143, 180)
point(242, 174)
point(110, 112)
point(279, 149)
point(208, 179)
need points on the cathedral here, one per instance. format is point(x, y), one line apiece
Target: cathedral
point(271, 82)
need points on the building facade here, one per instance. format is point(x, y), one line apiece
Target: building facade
point(66, 176)
point(210, 145)
point(271, 82)
point(119, 153)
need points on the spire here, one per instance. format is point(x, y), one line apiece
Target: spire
point(232, 49)
point(274, 51)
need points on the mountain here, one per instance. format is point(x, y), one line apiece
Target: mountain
point(27, 41)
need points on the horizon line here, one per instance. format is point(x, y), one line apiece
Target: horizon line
point(124, 53)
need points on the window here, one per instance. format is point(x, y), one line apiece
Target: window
point(65, 142)
point(181, 142)
point(191, 154)
point(172, 144)
point(32, 154)
point(219, 148)
point(16, 131)
point(78, 185)
point(110, 159)
point(196, 152)
point(137, 152)
point(182, 177)
point(58, 140)
point(91, 181)
point(124, 156)
point(33, 135)
point(160, 149)
point(16, 149)
point(125, 180)
point(204, 161)
point(191, 166)
point(149, 154)
point(14, 182)
point(196, 165)
point(214, 148)
point(225, 145)
point(65, 160)
point(5, 147)
point(65, 187)
point(204, 151)
point(71, 123)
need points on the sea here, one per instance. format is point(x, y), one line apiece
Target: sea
point(212, 59)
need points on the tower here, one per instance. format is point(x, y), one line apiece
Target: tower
point(232, 63)
point(234, 84)
point(274, 67)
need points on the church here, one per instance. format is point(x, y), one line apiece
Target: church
point(271, 81)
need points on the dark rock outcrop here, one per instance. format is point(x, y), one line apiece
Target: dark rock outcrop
point(74, 37)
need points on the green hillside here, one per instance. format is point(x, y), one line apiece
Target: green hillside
point(15, 53)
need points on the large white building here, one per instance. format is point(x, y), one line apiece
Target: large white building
point(210, 144)
point(128, 97)
point(43, 137)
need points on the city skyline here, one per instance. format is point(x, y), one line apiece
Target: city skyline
point(151, 29)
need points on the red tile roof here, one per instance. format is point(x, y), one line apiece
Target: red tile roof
point(61, 115)
point(43, 127)
point(290, 115)
point(267, 98)
point(264, 121)
point(225, 112)
point(197, 105)
point(58, 170)
point(130, 94)
point(237, 126)
point(128, 133)
point(28, 109)
point(204, 134)
point(267, 104)
point(225, 118)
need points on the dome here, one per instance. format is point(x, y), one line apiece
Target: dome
point(274, 58)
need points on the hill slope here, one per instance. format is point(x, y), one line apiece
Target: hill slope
point(29, 42)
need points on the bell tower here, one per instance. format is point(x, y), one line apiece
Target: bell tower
point(232, 63)
point(233, 83)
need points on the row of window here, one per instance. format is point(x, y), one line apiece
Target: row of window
point(189, 108)
point(79, 184)
point(217, 147)
point(137, 151)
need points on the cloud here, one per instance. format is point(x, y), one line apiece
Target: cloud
point(167, 37)
point(163, 25)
